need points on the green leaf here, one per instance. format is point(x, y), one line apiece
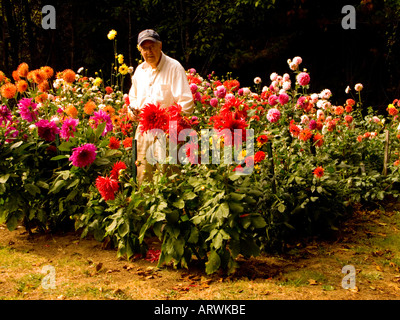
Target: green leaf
point(100, 129)
point(32, 189)
point(59, 157)
point(12, 223)
point(123, 229)
point(236, 207)
point(258, 221)
point(194, 235)
point(57, 186)
point(16, 145)
point(179, 203)
point(237, 196)
point(65, 146)
point(189, 195)
point(101, 161)
point(213, 263)
point(3, 179)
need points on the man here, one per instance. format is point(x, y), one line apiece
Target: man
point(159, 79)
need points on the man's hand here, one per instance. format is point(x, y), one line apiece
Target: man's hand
point(134, 114)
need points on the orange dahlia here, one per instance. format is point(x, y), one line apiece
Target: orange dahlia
point(68, 75)
point(48, 71)
point(71, 111)
point(41, 97)
point(15, 75)
point(22, 85)
point(89, 107)
point(23, 70)
point(109, 110)
point(44, 86)
point(8, 90)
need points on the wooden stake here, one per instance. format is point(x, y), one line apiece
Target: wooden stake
point(386, 155)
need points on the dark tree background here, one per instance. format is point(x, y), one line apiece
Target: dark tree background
point(246, 37)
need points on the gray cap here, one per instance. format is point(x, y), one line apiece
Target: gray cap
point(148, 34)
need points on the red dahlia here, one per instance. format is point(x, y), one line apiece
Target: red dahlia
point(107, 187)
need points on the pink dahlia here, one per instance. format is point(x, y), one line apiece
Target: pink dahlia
point(303, 78)
point(47, 130)
point(221, 91)
point(84, 155)
point(283, 98)
point(272, 100)
point(100, 117)
point(214, 102)
point(273, 115)
point(27, 109)
point(68, 128)
point(5, 115)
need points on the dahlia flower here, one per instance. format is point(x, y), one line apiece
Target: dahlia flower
point(100, 117)
point(107, 187)
point(27, 109)
point(117, 167)
point(153, 117)
point(273, 115)
point(47, 130)
point(318, 172)
point(84, 155)
point(303, 78)
point(68, 128)
point(5, 115)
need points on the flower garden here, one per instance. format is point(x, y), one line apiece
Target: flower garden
point(66, 161)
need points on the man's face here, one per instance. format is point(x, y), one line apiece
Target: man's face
point(151, 52)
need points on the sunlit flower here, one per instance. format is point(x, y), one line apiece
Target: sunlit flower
point(303, 78)
point(120, 58)
point(273, 115)
point(257, 80)
point(23, 70)
point(27, 109)
point(318, 172)
point(8, 90)
point(123, 69)
point(22, 85)
point(107, 187)
point(152, 116)
point(114, 143)
point(358, 87)
point(71, 111)
point(47, 130)
point(5, 115)
point(101, 117)
point(127, 142)
point(68, 76)
point(111, 34)
point(84, 155)
point(68, 128)
point(259, 156)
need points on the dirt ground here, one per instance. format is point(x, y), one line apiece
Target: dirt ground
point(310, 270)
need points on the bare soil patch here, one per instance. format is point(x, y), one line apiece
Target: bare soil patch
point(310, 269)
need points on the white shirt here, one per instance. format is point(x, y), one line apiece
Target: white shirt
point(167, 84)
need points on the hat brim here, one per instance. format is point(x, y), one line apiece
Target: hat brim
point(147, 38)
